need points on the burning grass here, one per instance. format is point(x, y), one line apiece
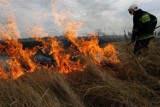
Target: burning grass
point(134, 82)
point(83, 75)
point(94, 77)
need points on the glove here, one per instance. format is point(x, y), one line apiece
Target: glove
point(133, 38)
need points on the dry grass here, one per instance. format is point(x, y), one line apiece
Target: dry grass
point(132, 83)
point(40, 89)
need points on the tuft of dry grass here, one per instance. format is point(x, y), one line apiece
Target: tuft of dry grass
point(40, 89)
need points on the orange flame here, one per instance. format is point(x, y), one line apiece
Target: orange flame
point(20, 61)
point(16, 69)
point(19, 58)
point(15, 50)
point(90, 47)
point(3, 74)
point(111, 53)
point(53, 46)
point(63, 61)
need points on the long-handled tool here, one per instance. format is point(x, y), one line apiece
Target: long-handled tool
point(157, 27)
point(125, 46)
point(130, 34)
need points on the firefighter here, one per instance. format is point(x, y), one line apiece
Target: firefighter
point(144, 24)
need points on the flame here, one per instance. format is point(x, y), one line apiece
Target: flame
point(2, 70)
point(15, 50)
point(54, 48)
point(16, 69)
point(63, 61)
point(38, 34)
point(111, 53)
point(20, 60)
point(91, 47)
point(3, 75)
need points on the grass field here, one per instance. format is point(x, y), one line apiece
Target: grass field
point(72, 70)
point(134, 82)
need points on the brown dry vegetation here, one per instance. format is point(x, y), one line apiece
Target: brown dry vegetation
point(132, 83)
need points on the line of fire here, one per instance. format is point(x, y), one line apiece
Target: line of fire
point(18, 58)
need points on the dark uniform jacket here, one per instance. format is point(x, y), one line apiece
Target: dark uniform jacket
point(144, 24)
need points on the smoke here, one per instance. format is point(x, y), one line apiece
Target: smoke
point(96, 14)
point(30, 13)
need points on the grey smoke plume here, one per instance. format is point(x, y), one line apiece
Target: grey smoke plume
point(96, 14)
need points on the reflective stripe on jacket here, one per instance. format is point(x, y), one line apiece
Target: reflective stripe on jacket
point(148, 36)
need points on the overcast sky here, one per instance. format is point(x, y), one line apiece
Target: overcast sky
point(110, 16)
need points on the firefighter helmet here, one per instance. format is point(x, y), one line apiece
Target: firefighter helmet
point(133, 7)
